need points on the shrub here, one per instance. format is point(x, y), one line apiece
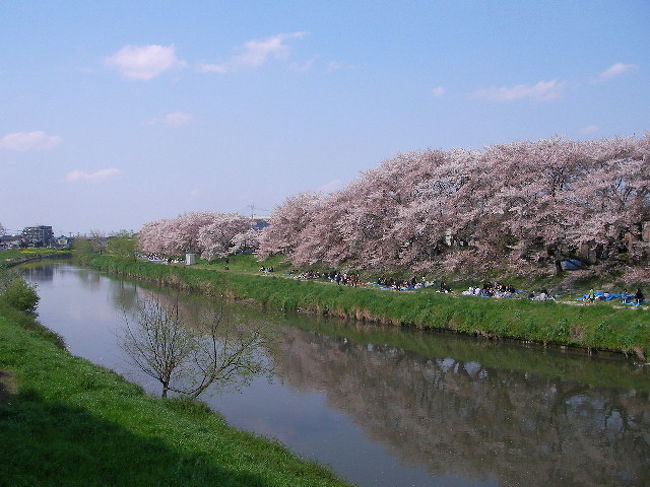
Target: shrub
point(15, 292)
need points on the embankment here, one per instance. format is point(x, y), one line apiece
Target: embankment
point(595, 327)
point(65, 421)
point(12, 258)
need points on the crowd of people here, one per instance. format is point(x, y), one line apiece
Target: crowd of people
point(160, 259)
point(341, 278)
point(486, 289)
point(498, 290)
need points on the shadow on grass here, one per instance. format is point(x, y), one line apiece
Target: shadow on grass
point(49, 443)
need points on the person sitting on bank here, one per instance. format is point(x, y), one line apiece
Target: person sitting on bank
point(638, 297)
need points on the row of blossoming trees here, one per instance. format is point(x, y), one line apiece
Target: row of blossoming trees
point(208, 233)
point(521, 206)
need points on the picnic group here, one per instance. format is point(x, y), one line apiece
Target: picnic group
point(627, 298)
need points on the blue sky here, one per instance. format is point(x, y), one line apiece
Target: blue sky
point(117, 113)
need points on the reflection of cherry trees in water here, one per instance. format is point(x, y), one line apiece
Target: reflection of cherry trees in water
point(459, 418)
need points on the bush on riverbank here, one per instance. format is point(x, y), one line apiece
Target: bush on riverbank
point(592, 327)
point(65, 421)
point(16, 293)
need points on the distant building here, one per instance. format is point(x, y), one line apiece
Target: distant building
point(10, 242)
point(64, 242)
point(40, 236)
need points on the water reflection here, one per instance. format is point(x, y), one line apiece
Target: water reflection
point(123, 294)
point(394, 407)
point(38, 272)
point(461, 418)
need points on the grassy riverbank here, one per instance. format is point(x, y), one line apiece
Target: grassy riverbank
point(592, 327)
point(65, 421)
point(11, 258)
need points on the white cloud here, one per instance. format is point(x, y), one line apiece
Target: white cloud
point(25, 141)
point(303, 66)
point(617, 69)
point(214, 68)
point(93, 177)
point(542, 90)
point(255, 53)
point(335, 66)
point(438, 91)
point(589, 129)
point(144, 62)
point(174, 119)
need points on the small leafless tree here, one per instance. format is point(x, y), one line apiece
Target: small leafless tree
point(187, 356)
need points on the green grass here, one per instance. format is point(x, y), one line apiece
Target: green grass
point(9, 258)
point(244, 263)
point(67, 422)
point(569, 284)
point(592, 327)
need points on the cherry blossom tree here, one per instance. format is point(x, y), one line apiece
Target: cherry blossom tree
point(216, 238)
point(523, 205)
point(207, 233)
point(286, 224)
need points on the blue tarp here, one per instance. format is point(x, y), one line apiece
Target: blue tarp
point(601, 296)
point(571, 265)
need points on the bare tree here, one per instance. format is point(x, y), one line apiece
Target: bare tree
point(187, 356)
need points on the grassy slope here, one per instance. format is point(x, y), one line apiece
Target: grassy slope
point(597, 326)
point(569, 285)
point(73, 423)
point(10, 258)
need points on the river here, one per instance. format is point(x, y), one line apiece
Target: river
point(398, 407)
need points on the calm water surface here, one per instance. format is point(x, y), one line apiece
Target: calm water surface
point(390, 407)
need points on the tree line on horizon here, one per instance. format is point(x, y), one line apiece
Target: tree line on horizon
point(521, 206)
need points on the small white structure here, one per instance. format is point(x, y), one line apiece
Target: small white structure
point(190, 259)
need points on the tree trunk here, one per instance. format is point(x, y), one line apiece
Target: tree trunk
point(558, 267)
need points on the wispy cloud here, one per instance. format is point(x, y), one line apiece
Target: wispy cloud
point(617, 69)
point(26, 141)
point(255, 53)
point(144, 62)
point(542, 90)
point(589, 129)
point(303, 66)
point(438, 91)
point(174, 119)
point(335, 66)
point(92, 177)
